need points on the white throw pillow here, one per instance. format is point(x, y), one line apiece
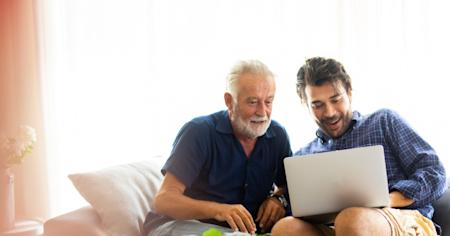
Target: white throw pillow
point(121, 195)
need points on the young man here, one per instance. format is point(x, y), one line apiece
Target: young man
point(223, 166)
point(416, 176)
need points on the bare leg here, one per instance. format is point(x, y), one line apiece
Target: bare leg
point(361, 221)
point(293, 226)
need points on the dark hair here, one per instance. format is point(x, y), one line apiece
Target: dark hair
point(317, 71)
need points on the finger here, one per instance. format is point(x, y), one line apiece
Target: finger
point(274, 212)
point(267, 212)
point(248, 220)
point(260, 212)
point(247, 214)
point(231, 223)
point(249, 217)
point(264, 218)
point(271, 221)
point(240, 224)
point(281, 214)
point(277, 215)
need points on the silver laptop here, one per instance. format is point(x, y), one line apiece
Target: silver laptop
point(325, 183)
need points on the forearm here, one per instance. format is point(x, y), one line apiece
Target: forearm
point(181, 207)
point(424, 172)
point(423, 186)
point(171, 201)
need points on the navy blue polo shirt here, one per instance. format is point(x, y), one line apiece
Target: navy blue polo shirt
point(210, 161)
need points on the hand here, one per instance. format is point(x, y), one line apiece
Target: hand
point(237, 217)
point(397, 199)
point(270, 211)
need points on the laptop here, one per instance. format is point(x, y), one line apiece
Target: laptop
point(322, 184)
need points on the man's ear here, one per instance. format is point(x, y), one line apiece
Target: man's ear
point(228, 100)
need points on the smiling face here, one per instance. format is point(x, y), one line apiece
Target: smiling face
point(251, 106)
point(330, 106)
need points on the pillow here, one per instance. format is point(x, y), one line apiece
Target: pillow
point(121, 195)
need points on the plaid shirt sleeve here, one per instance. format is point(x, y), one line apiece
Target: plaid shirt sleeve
point(426, 180)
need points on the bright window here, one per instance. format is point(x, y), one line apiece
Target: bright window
point(121, 77)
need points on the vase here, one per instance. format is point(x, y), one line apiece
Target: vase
point(7, 212)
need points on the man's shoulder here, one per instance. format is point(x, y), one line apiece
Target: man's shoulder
point(201, 125)
point(275, 124)
point(383, 117)
point(276, 129)
point(211, 119)
point(382, 113)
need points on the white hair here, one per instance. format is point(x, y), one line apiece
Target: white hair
point(242, 67)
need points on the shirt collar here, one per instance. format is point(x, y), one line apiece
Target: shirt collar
point(355, 122)
point(224, 125)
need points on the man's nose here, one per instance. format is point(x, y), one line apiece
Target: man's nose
point(261, 109)
point(329, 110)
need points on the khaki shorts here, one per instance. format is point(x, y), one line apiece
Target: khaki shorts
point(402, 222)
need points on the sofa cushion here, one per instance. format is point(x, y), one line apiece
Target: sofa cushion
point(121, 195)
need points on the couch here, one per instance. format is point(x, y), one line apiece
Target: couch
point(120, 197)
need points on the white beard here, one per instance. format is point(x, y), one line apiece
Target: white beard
point(251, 129)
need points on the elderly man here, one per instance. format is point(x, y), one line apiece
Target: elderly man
point(416, 177)
point(226, 169)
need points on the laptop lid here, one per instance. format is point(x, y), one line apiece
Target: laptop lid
point(329, 182)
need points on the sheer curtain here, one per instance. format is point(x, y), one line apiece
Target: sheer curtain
point(121, 77)
point(21, 104)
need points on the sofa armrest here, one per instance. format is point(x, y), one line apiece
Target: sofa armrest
point(84, 221)
point(442, 212)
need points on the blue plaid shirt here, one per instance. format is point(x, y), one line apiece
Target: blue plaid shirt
point(413, 168)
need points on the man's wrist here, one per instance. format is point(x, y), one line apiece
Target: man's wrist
point(397, 199)
point(280, 198)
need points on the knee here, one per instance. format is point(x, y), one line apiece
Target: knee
point(285, 226)
point(293, 226)
point(349, 216)
point(354, 220)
